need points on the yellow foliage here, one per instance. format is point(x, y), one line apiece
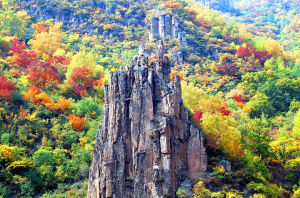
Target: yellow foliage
point(233, 195)
point(293, 163)
point(87, 59)
point(200, 190)
point(222, 131)
point(32, 117)
point(296, 193)
point(258, 196)
point(108, 27)
point(7, 153)
point(46, 43)
point(219, 169)
point(285, 147)
point(83, 141)
point(195, 98)
point(243, 33)
point(21, 164)
point(273, 47)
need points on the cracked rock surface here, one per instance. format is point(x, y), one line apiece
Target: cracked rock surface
point(146, 145)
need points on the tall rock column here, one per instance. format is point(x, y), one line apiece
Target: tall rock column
point(145, 144)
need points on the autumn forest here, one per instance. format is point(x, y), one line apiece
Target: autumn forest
point(239, 66)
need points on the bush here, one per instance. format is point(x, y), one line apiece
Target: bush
point(5, 138)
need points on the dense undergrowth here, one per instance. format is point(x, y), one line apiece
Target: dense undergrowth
point(241, 88)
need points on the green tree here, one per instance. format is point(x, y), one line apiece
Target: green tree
point(255, 136)
point(260, 104)
point(13, 22)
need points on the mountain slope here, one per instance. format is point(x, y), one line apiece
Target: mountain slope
point(240, 86)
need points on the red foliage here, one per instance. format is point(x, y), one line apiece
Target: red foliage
point(228, 68)
point(42, 74)
point(198, 115)
point(243, 52)
point(59, 60)
point(80, 80)
point(262, 55)
point(21, 57)
point(6, 87)
point(238, 99)
point(24, 58)
point(16, 46)
point(224, 111)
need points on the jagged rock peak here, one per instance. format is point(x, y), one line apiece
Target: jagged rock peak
point(145, 145)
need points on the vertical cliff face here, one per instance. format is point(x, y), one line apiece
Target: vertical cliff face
point(167, 25)
point(145, 144)
point(164, 25)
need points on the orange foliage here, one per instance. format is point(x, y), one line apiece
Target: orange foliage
point(31, 92)
point(23, 113)
point(40, 27)
point(77, 122)
point(99, 83)
point(44, 99)
point(14, 73)
point(172, 5)
point(175, 73)
point(63, 104)
point(36, 97)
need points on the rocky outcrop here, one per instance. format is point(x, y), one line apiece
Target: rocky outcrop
point(226, 164)
point(163, 25)
point(146, 145)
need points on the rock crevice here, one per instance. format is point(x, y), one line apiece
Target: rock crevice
point(145, 144)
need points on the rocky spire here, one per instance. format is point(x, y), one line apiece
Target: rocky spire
point(145, 144)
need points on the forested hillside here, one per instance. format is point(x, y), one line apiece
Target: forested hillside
point(240, 78)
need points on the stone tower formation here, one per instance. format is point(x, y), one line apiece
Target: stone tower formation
point(166, 25)
point(145, 144)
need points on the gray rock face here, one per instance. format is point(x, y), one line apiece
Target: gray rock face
point(187, 187)
point(145, 146)
point(178, 57)
point(226, 164)
point(166, 25)
point(155, 27)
